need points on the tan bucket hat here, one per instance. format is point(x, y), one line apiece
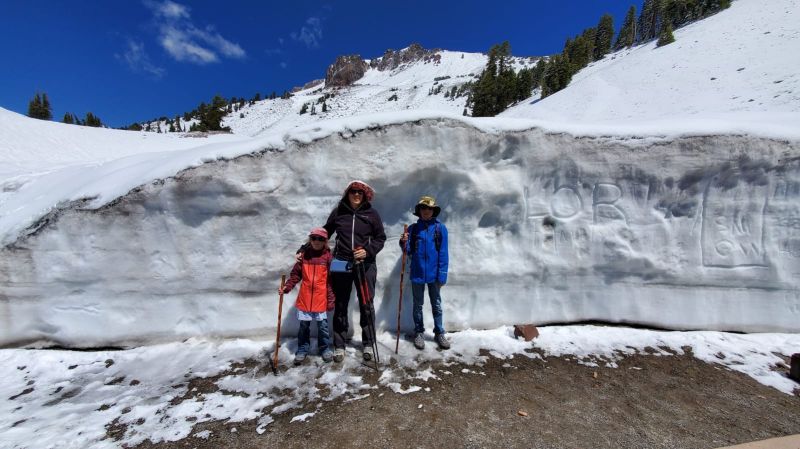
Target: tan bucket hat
point(427, 201)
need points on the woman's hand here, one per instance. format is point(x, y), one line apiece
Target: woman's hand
point(360, 254)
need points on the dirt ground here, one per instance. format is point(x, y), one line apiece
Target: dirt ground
point(647, 402)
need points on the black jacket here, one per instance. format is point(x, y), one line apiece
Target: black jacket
point(359, 228)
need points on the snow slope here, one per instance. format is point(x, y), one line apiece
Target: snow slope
point(745, 59)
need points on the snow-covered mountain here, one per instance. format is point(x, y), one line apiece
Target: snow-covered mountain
point(424, 81)
point(684, 217)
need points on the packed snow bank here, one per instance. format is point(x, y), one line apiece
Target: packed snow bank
point(678, 232)
point(744, 59)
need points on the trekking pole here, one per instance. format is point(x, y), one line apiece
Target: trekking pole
point(278, 337)
point(366, 301)
point(400, 301)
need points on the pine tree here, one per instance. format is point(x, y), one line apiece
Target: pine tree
point(627, 34)
point(93, 120)
point(650, 20)
point(34, 106)
point(39, 107)
point(557, 75)
point(666, 36)
point(524, 84)
point(580, 51)
point(211, 116)
point(496, 87)
point(603, 37)
point(538, 72)
point(47, 112)
point(68, 119)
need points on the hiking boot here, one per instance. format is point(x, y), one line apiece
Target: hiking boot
point(299, 358)
point(419, 341)
point(441, 340)
point(338, 355)
point(327, 356)
point(368, 354)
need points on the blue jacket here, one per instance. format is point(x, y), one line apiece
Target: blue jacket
point(427, 264)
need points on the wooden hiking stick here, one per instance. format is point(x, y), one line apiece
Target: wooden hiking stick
point(400, 301)
point(278, 337)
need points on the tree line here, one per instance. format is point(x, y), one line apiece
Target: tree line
point(39, 108)
point(207, 117)
point(499, 86)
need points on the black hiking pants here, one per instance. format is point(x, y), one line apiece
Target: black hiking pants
point(342, 287)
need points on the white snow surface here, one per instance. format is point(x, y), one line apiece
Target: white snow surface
point(745, 59)
point(678, 211)
point(67, 399)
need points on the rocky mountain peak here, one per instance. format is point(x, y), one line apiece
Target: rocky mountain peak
point(392, 59)
point(345, 71)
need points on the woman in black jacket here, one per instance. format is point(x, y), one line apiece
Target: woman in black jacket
point(359, 238)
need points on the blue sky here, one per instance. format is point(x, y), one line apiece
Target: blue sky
point(129, 61)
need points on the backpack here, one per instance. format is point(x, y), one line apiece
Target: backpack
point(437, 237)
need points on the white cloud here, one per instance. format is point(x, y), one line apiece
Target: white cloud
point(137, 59)
point(311, 33)
point(168, 9)
point(184, 41)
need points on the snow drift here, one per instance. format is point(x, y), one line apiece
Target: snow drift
point(692, 232)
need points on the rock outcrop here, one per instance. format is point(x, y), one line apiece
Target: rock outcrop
point(308, 85)
point(345, 71)
point(392, 59)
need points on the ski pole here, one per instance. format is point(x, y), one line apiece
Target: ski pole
point(367, 302)
point(400, 301)
point(278, 337)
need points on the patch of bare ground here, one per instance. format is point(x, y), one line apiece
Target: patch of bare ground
point(647, 402)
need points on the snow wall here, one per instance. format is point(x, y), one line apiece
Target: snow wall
point(684, 233)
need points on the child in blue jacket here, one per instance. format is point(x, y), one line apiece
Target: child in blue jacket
point(426, 243)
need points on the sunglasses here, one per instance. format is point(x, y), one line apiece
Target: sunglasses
point(425, 208)
point(316, 238)
point(356, 192)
